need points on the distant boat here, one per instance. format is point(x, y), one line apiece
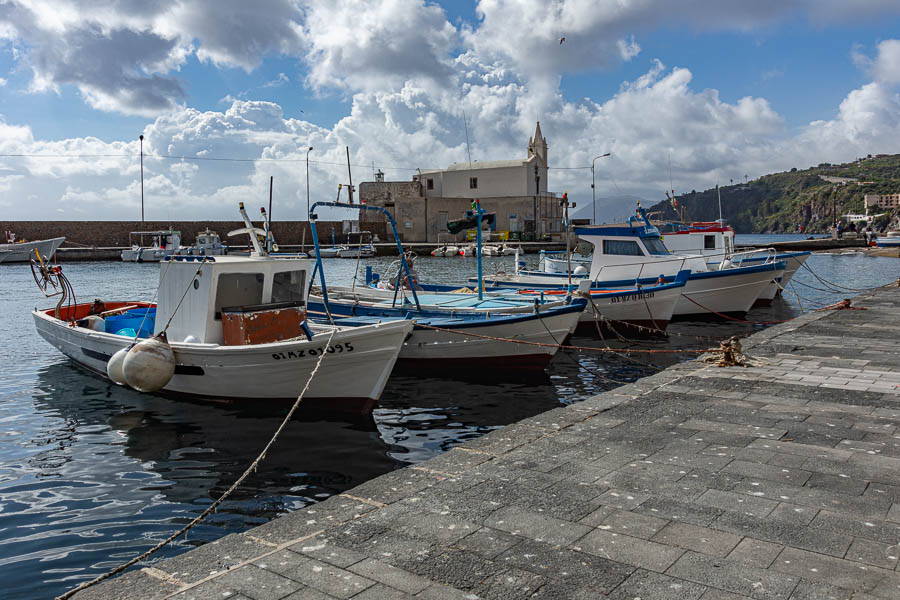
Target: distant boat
point(892, 240)
point(13, 251)
point(162, 244)
point(207, 243)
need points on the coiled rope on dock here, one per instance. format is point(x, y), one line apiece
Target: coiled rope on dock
point(212, 507)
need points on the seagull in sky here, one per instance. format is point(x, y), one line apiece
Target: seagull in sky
point(561, 40)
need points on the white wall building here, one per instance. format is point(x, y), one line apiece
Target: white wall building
point(882, 201)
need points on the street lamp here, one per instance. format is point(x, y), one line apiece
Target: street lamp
point(308, 150)
point(593, 193)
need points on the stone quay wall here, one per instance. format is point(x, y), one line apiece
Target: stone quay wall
point(115, 233)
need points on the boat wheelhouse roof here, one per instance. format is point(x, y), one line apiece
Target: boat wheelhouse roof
point(158, 232)
point(618, 230)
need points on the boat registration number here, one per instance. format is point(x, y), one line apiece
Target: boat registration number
point(631, 297)
point(337, 348)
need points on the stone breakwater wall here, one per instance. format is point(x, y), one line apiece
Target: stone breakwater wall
point(115, 233)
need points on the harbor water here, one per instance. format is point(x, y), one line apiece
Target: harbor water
point(92, 474)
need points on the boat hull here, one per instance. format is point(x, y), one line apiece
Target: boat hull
point(21, 252)
point(710, 295)
point(274, 371)
point(444, 341)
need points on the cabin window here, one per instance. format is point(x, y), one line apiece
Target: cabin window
point(238, 289)
point(289, 286)
point(709, 242)
point(622, 248)
point(473, 183)
point(655, 246)
point(429, 183)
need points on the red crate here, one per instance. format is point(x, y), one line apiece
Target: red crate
point(262, 324)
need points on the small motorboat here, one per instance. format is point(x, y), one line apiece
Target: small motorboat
point(20, 251)
point(162, 244)
point(361, 248)
point(225, 327)
point(444, 251)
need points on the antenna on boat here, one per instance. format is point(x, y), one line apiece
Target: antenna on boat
point(141, 138)
point(468, 150)
point(268, 216)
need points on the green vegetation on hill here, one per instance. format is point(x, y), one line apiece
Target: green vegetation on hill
point(782, 202)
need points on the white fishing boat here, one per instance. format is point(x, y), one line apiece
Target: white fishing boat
point(623, 255)
point(715, 241)
point(13, 251)
point(236, 330)
point(152, 246)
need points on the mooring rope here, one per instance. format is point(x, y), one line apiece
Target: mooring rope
point(222, 498)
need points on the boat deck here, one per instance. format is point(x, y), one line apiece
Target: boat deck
point(777, 481)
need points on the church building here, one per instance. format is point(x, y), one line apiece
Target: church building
point(515, 190)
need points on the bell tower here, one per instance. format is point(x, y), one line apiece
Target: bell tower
point(537, 145)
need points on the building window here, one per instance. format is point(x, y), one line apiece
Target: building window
point(473, 183)
point(429, 183)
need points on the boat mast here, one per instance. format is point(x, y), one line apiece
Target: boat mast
point(719, 193)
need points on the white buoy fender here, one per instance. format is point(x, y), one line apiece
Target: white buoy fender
point(95, 323)
point(114, 366)
point(150, 365)
point(579, 270)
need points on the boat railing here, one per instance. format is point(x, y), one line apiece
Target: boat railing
point(641, 265)
point(736, 259)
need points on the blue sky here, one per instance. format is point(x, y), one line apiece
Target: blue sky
point(718, 88)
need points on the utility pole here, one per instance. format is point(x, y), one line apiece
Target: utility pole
point(141, 137)
point(537, 191)
point(593, 194)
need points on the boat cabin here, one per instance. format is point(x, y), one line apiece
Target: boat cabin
point(223, 285)
point(631, 250)
point(165, 239)
point(709, 238)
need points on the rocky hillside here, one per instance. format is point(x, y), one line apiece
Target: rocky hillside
point(782, 202)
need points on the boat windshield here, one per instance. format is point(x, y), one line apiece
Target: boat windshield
point(655, 246)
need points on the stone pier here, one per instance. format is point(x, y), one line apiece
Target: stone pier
point(776, 481)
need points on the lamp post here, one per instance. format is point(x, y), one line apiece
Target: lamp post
point(593, 193)
point(308, 150)
point(141, 137)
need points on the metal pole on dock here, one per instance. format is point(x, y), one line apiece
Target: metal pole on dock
point(308, 150)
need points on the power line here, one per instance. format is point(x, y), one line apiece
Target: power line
point(241, 160)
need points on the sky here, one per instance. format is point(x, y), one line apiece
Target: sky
point(228, 93)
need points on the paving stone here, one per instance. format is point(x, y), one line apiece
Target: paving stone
point(622, 499)
point(316, 574)
point(827, 569)
point(793, 513)
point(650, 585)
point(699, 539)
point(566, 571)
point(212, 558)
point(874, 553)
point(390, 575)
point(732, 576)
point(814, 590)
point(382, 592)
point(258, 583)
point(129, 585)
point(207, 590)
point(862, 506)
point(457, 569)
point(749, 505)
point(755, 553)
point(728, 428)
point(321, 549)
point(777, 532)
point(674, 510)
point(304, 593)
point(526, 523)
point(628, 523)
point(773, 473)
point(629, 550)
point(430, 526)
point(875, 529)
point(509, 584)
point(335, 510)
point(488, 542)
point(444, 592)
point(894, 513)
